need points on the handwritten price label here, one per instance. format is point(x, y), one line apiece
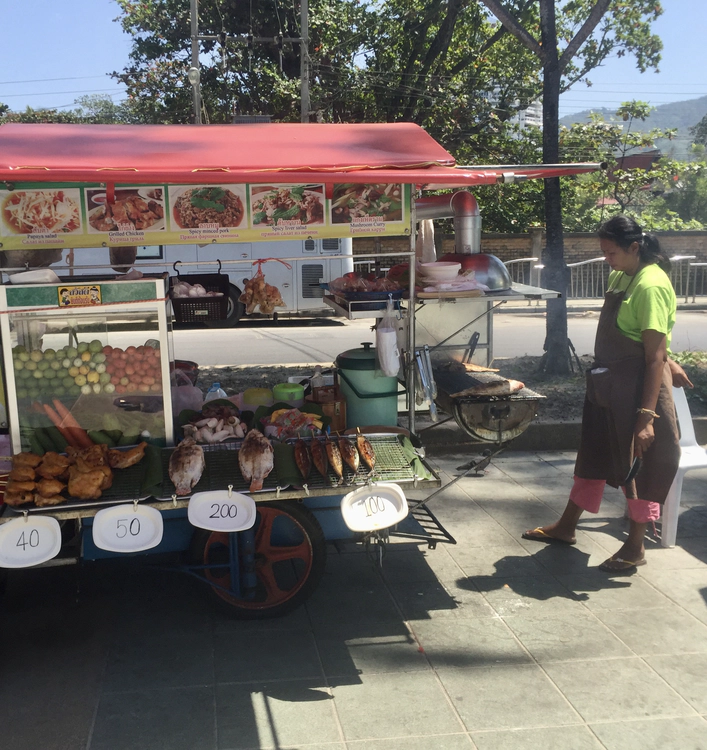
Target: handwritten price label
point(127, 528)
point(30, 541)
point(372, 508)
point(221, 510)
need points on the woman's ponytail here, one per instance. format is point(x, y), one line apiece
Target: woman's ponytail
point(624, 231)
point(650, 252)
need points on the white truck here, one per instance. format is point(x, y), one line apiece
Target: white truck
point(310, 263)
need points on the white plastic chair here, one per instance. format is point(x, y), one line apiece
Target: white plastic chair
point(692, 456)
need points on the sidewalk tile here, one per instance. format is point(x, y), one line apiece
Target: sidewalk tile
point(657, 734)
point(601, 592)
point(529, 595)
point(549, 738)
point(423, 601)
point(667, 630)
point(178, 719)
point(566, 637)
point(469, 643)
point(509, 561)
point(394, 705)
point(264, 656)
point(688, 589)
point(686, 673)
point(616, 690)
point(438, 742)
point(506, 697)
point(275, 715)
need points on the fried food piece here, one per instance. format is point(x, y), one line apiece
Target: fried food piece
point(319, 457)
point(303, 459)
point(89, 458)
point(122, 459)
point(15, 486)
point(53, 465)
point(18, 497)
point(22, 473)
point(107, 477)
point(48, 487)
point(85, 485)
point(42, 501)
point(349, 453)
point(334, 455)
point(365, 448)
point(26, 459)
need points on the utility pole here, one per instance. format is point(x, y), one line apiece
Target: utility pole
point(304, 61)
point(194, 71)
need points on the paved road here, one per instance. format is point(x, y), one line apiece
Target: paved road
point(291, 342)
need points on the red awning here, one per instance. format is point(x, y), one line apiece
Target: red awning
point(261, 153)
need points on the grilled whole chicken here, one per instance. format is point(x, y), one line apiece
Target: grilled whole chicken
point(303, 459)
point(255, 459)
point(349, 453)
point(334, 455)
point(366, 450)
point(319, 457)
point(186, 465)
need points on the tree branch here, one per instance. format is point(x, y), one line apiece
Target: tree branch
point(514, 27)
point(596, 14)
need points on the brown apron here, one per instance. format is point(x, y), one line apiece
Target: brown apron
point(609, 416)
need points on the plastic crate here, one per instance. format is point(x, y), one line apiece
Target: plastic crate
point(200, 309)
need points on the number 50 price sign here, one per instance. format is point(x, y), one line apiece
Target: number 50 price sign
point(127, 528)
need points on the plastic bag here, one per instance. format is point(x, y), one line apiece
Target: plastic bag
point(184, 394)
point(387, 343)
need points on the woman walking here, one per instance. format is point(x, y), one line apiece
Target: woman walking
point(629, 429)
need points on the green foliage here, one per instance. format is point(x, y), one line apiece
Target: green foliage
point(695, 365)
point(699, 132)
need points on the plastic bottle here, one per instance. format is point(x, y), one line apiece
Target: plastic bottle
point(316, 382)
point(215, 392)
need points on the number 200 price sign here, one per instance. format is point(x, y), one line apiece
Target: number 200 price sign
point(29, 541)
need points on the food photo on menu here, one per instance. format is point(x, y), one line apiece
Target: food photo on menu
point(194, 206)
point(135, 208)
point(383, 202)
point(41, 211)
point(270, 204)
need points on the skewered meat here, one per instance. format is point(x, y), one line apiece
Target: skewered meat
point(42, 501)
point(53, 465)
point(186, 465)
point(122, 459)
point(366, 450)
point(255, 459)
point(22, 473)
point(15, 486)
point(319, 457)
point(27, 459)
point(17, 497)
point(334, 455)
point(85, 485)
point(47, 487)
point(303, 459)
point(349, 453)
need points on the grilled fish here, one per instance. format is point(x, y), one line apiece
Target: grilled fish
point(303, 459)
point(186, 465)
point(255, 459)
point(349, 453)
point(366, 450)
point(319, 457)
point(334, 455)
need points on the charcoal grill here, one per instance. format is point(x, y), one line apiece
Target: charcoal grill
point(488, 419)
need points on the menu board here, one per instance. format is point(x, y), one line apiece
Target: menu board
point(35, 215)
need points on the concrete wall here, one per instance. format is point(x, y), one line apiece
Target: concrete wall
point(508, 246)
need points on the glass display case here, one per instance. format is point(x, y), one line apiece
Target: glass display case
point(88, 359)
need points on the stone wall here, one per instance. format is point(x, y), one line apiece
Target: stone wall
point(578, 246)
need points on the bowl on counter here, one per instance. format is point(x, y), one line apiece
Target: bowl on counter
point(440, 271)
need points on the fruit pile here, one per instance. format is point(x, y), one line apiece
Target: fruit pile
point(84, 369)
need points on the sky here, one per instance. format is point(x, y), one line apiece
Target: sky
point(58, 50)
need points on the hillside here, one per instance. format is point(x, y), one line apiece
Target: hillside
point(680, 115)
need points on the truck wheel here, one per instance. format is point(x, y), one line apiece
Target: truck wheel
point(289, 561)
point(235, 310)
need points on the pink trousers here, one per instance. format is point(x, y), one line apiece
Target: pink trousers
point(587, 494)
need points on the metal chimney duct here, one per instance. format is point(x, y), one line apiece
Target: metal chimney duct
point(462, 206)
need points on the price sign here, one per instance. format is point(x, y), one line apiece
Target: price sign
point(127, 528)
point(29, 541)
point(374, 507)
point(221, 510)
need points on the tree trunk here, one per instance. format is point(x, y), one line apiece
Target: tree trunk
point(555, 274)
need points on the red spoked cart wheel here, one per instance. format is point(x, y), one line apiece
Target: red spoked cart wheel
point(270, 575)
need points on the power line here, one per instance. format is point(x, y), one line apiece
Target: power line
point(51, 93)
point(47, 80)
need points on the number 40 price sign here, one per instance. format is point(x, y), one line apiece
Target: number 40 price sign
point(28, 541)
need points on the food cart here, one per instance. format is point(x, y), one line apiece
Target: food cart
point(89, 362)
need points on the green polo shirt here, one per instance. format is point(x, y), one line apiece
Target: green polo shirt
point(649, 305)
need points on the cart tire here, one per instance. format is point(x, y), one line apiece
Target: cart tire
point(236, 309)
point(287, 573)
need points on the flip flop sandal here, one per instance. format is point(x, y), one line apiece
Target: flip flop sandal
point(623, 566)
point(538, 535)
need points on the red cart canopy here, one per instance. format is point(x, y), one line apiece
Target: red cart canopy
point(259, 153)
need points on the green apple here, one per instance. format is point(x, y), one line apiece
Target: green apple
point(82, 347)
point(95, 346)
